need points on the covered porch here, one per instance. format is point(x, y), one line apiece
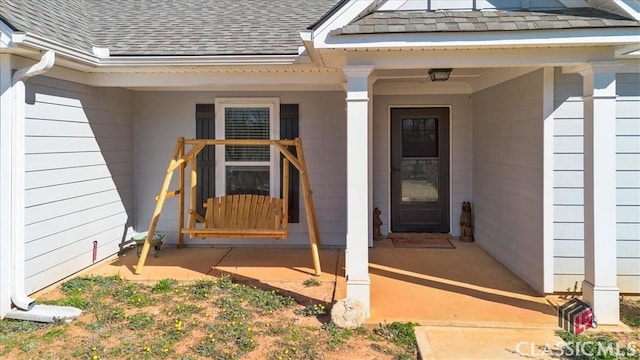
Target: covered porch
point(505, 157)
point(456, 287)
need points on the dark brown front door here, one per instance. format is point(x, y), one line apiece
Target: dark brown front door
point(420, 170)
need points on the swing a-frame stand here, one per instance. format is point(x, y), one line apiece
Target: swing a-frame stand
point(234, 216)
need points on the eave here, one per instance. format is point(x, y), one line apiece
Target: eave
point(486, 39)
point(31, 45)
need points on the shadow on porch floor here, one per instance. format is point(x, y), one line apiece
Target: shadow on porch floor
point(462, 286)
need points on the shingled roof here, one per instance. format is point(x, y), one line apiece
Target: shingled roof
point(170, 27)
point(482, 20)
point(63, 21)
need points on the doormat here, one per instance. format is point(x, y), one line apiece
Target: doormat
point(421, 240)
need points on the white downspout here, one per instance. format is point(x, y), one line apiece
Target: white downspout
point(18, 296)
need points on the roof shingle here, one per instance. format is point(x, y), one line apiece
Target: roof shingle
point(170, 27)
point(482, 20)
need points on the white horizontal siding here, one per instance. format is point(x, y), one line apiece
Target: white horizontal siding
point(161, 117)
point(460, 157)
point(568, 182)
point(507, 174)
point(79, 176)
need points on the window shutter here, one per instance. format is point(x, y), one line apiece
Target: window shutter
point(289, 129)
point(205, 129)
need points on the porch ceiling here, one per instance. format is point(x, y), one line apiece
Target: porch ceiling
point(461, 80)
point(466, 74)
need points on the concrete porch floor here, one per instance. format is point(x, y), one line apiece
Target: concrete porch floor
point(449, 292)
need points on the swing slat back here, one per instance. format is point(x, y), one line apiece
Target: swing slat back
point(243, 215)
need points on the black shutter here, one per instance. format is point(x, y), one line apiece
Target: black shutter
point(289, 129)
point(205, 129)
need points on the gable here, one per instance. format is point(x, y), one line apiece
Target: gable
point(481, 20)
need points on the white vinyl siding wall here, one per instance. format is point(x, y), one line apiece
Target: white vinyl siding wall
point(508, 174)
point(161, 117)
point(79, 176)
point(568, 182)
point(460, 145)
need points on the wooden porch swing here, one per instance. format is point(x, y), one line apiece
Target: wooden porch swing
point(234, 216)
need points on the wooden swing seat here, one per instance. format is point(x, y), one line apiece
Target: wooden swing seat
point(234, 216)
point(241, 216)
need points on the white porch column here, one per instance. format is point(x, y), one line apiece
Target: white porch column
point(600, 288)
point(358, 189)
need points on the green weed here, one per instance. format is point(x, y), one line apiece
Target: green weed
point(202, 289)
point(312, 310)
point(630, 313)
point(310, 282)
point(74, 300)
point(337, 335)
point(164, 286)
point(140, 321)
point(224, 282)
point(296, 343)
point(596, 347)
point(269, 301)
point(400, 333)
point(54, 334)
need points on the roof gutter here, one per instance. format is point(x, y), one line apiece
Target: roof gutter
point(18, 296)
point(103, 59)
point(26, 309)
point(286, 59)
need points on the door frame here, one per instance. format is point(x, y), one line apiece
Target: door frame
point(388, 153)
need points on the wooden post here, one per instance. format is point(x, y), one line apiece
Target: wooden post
point(192, 192)
point(181, 200)
point(285, 194)
point(314, 235)
point(158, 209)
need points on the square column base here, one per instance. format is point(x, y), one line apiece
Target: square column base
point(360, 289)
point(605, 302)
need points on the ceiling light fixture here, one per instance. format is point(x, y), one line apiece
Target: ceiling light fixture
point(439, 74)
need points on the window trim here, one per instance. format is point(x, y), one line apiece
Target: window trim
point(273, 104)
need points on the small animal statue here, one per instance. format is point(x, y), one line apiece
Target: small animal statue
point(376, 224)
point(466, 234)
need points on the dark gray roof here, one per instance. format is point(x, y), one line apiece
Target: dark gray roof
point(170, 27)
point(188, 27)
point(462, 21)
point(64, 21)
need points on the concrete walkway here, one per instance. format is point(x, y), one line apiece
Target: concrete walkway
point(469, 305)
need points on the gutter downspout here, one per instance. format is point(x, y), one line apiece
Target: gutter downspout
point(18, 296)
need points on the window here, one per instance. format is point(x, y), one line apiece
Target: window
point(247, 169)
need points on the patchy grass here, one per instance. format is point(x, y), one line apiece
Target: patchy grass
point(630, 312)
point(598, 346)
point(215, 318)
point(606, 345)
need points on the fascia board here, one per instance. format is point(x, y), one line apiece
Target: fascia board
point(629, 7)
point(118, 61)
point(8, 36)
point(91, 60)
point(539, 38)
point(342, 17)
point(43, 43)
